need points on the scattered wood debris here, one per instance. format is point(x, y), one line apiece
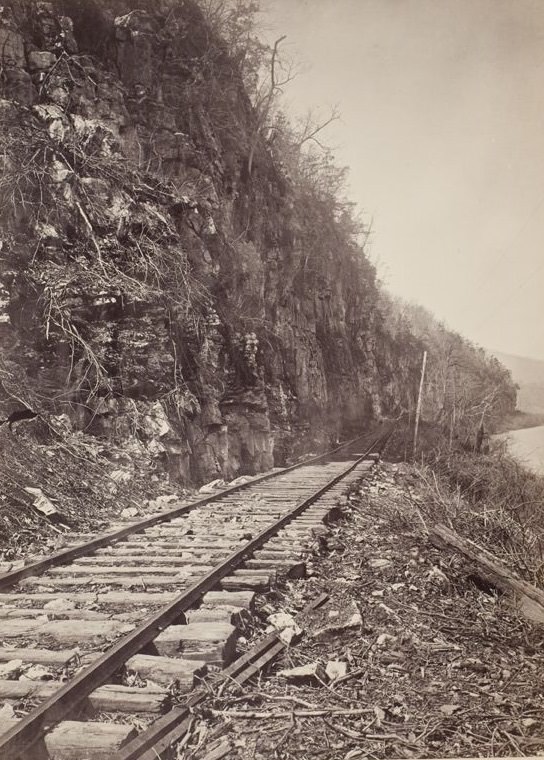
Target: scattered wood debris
point(431, 666)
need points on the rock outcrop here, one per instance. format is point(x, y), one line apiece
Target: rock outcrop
point(151, 290)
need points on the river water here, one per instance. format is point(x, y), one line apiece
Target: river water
point(527, 446)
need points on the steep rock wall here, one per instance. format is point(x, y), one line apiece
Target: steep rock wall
point(152, 291)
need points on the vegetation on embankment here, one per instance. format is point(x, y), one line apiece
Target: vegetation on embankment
point(489, 498)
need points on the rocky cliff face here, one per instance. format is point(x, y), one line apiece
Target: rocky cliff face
point(152, 291)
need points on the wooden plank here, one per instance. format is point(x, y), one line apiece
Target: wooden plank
point(285, 568)
point(61, 657)
point(52, 614)
point(151, 560)
point(10, 629)
point(117, 598)
point(242, 583)
point(278, 554)
point(73, 740)
point(109, 698)
point(6, 567)
point(134, 581)
point(166, 670)
point(129, 699)
point(6, 724)
point(229, 600)
point(144, 550)
point(178, 546)
point(27, 688)
point(236, 616)
point(530, 599)
point(64, 631)
point(101, 570)
point(20, 612)
point(210, 642)
point(177, 534)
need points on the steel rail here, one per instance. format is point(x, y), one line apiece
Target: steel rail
point(65, 556)
point(31, 729)
point(171, 727)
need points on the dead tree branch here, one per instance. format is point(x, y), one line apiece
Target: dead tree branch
point(265, 102)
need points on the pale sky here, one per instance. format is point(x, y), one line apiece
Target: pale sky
point(442, 127)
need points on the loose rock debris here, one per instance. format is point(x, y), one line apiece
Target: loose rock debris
point(408, 658)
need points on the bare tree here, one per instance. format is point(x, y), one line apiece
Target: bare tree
point(311, 128)
point(279, 76)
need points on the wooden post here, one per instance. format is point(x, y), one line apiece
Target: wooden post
point(453, 415)
point(419, 396)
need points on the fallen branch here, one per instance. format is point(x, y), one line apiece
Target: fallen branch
point(91, 234)
point(344, 731)
point(269, 715)
point(273, 698)
point(529, 596)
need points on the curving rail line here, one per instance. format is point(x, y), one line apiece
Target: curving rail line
point(199, 546)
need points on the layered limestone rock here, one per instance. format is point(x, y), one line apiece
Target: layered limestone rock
point(150, 289)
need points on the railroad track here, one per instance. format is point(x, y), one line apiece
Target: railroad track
point(113, 630)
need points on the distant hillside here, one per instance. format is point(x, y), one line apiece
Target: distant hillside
point(529, 375)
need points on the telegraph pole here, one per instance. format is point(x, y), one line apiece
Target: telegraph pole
point(419, 396)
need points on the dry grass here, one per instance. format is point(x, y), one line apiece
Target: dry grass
point(490, 498)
